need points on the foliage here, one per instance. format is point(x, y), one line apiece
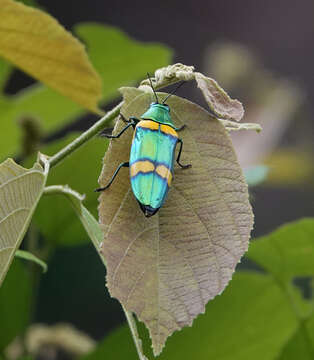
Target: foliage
point(164, 269)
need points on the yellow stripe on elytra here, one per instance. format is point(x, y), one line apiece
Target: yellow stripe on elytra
point(164, 172)
point(153, 125)
point(147, 124)
point(144, 166)
point(168, 130)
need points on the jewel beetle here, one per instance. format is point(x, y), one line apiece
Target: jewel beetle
point(152, 155)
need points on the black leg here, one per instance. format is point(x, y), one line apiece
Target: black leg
point(120, 133)
point(134, 120)
point(180, 128)
point(124, 118)
point(179, 155)
point(125, 164)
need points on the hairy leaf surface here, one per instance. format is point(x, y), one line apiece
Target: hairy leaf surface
point(20, 190)
point(166, 268)
point(39, 45)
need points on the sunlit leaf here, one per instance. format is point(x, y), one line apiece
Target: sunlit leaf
point(20, 191)
point(53, 110)
point(39, 45)
point(287, 252)
point(15, 303)
point(166, 268)
point(26, 255)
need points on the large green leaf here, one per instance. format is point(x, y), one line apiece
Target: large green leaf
point(20, 191)
point(167, 267)
point(15, 301)
point(39, 45)
point(252, 319)
point(80, 172)
point(119, 59)
point(287, 252)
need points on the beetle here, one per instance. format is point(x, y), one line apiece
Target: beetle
point(152, 155)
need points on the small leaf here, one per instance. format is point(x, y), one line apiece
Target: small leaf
point(20, 191)
point(26, 255)
point(218, 100)
point(216, 97)
point(39, 45)
point(166, 268)
point(287, 252)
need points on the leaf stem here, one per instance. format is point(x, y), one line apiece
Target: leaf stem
point(85, 136)
point(134, 332)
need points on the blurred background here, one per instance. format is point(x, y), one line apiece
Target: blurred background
point(262, 54)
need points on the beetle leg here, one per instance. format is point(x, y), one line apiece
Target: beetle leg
point(121, 132)
point(125, 164)
point(179, 155)
point(124, 118)
point(180, 128)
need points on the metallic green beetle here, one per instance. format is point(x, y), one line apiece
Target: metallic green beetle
point(152, 155)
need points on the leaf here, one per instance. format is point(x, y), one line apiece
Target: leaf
point(301, 345)
point(53, 109)
point(15, 303)
point(20, 191)
point(252, 319)
point(166, 268)
point(5, 70)
point(39, 45)
point(65, 229)
point(287, 252)
point(218, 100)
point(87, 219)
point(26, 255)
point(129, 59)
point(216, 97)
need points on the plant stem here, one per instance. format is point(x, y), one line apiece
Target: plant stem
point(134, 332)
point(85, 136)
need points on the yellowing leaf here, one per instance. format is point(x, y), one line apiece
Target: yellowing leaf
point(167, 267)
point(20, 190)
point(39, 45)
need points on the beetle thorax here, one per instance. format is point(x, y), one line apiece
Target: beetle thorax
point(159, 113)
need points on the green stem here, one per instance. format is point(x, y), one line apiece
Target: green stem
point(134, 332)
point(85, 136)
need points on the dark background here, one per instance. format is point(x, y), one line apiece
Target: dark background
point(280, 33)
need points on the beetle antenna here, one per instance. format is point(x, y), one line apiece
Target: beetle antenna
point(151, 84)
point(183, 82)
